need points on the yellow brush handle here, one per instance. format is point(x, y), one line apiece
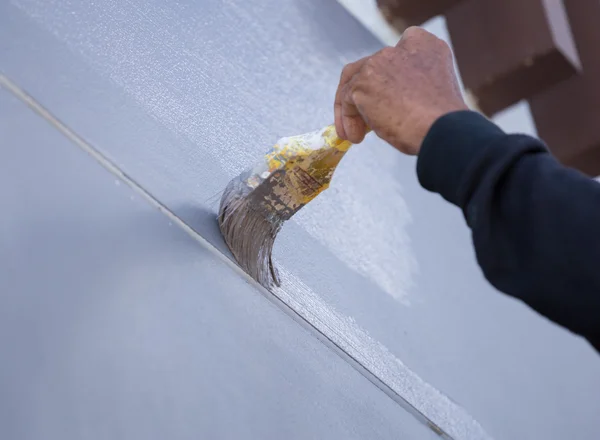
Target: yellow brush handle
point(332, 139)
point(301, 167)
point(319, 164)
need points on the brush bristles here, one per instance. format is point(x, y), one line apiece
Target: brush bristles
point(249, 232)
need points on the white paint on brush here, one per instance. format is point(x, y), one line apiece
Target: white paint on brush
point(352, 218)
point(342, 331)
point(345, 219)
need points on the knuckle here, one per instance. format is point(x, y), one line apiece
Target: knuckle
point(354, 92)
point(348, 92)
point(413, 31)
point(351, 93)
point(387, 52)
point(346, 71)
point(442, 45)
point(349, 89)
point(369, 70)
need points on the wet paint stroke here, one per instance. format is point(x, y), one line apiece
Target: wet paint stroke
point(164, 323)
point(348, 219)
point(378, 360)
point(454, 335)
point(341, 330)
point(122, 41)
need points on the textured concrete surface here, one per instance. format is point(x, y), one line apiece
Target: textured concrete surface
point(184, 96)
point(115, 323)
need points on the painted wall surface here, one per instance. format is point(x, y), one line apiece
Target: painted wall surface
point(117, 324)
point(183, 96)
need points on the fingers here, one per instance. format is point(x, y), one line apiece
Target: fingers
point(356, 79)
point(398, 92)
point(415, 32)
point(418, 38)
point(341, 99)
point(354, 126)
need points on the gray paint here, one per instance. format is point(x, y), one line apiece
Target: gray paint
point(115, 323)
point(181, 99)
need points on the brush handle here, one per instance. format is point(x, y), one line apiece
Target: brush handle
point(296, 170)
point(333, 140)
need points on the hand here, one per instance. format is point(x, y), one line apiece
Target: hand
point(399, 92)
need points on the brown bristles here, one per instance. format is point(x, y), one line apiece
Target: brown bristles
point(249, 232)
point(255, 204)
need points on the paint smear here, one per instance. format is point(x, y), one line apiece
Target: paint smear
point(376, 358)
point(154, 54)
point(352, 217)
point(337, 328)
point(120, 40)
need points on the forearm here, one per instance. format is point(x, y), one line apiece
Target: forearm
point(535, 223)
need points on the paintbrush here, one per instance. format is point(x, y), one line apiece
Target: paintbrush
point(256, 203)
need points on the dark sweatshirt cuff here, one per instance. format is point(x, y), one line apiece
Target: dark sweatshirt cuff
point(459, 149)
point(450, 149)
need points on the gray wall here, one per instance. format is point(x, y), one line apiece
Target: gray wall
point(181, 97)
point(117, 324)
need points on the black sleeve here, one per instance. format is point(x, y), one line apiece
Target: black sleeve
point(535, 223)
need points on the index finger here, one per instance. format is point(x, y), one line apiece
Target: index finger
point(347, 73)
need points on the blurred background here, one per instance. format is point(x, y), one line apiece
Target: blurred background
point(528, 65)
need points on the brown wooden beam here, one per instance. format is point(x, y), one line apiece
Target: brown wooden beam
point(509, 50)
point(405, 13)
point(567, 116)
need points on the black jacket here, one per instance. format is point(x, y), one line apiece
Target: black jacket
point(535, 223)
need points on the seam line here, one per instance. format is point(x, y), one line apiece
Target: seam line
point(112, 168)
